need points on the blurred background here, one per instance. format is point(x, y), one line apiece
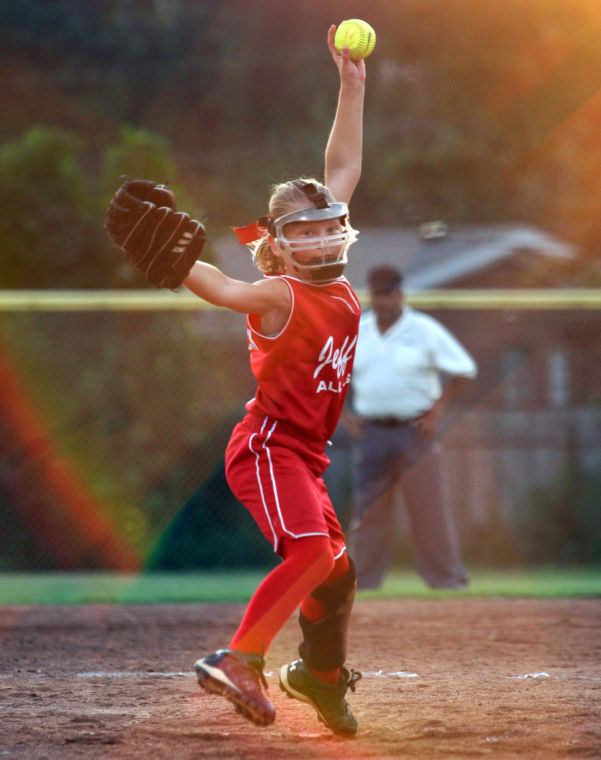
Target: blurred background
point(481, 171)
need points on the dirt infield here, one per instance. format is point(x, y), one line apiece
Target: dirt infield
point(443, 678)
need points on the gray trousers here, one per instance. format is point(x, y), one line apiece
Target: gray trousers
point(388, 459)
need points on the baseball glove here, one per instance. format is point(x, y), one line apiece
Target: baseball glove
point(160, 242)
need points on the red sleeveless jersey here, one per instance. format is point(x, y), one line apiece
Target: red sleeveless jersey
point(304, 371)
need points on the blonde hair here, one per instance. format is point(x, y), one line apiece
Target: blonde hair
point(285, 197)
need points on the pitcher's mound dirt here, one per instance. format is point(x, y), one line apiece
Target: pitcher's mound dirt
point(450, 678)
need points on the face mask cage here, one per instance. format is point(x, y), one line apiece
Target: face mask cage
point(333, 248)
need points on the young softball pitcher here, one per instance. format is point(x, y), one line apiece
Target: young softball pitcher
point(302, 322)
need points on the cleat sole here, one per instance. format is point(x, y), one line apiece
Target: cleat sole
point(244, 706)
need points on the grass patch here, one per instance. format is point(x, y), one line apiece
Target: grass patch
point(238, 586)
point(113, 588)
point(527, 582)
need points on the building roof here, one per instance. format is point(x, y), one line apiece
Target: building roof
point(427, 262)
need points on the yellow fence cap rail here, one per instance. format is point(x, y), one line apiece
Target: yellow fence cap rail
point(160, 300)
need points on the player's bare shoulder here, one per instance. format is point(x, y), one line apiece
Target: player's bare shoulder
point(276, 299)
point(275, 293)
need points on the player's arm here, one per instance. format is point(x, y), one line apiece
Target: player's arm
point(345, 143)
point(263, 297)
point(165, 246)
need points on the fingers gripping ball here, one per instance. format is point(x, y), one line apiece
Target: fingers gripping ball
point(159, 241)
point(357, 36)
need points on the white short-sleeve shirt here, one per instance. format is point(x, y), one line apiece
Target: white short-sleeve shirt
point(398, 373)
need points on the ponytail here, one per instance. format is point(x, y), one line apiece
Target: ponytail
point(265, 259)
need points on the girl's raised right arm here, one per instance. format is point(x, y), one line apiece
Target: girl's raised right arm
point(344, 150)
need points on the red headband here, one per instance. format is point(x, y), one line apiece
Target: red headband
point(251, 232)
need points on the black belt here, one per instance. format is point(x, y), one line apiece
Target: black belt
point(389, 421)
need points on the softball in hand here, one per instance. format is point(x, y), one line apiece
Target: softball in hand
point(357, 36)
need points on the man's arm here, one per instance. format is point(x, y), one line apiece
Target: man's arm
point(427, 423)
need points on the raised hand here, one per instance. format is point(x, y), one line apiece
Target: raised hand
point(349, 70)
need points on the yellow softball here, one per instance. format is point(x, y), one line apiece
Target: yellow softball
point(357, 36)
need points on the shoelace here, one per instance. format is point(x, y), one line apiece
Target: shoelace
point(353, 677)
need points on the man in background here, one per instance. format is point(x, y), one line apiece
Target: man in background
point(407, 368)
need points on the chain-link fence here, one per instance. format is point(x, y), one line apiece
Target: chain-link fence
point(115, 420)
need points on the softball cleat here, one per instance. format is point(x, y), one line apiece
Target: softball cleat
point(327, 699)
point(238, 677)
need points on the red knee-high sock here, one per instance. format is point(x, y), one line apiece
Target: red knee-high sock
point(307, 562)
point(315, 610)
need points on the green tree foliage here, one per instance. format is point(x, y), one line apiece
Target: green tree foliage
point(144, 155)
point(52, 225)
point(140, 154)
point(46, 224)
